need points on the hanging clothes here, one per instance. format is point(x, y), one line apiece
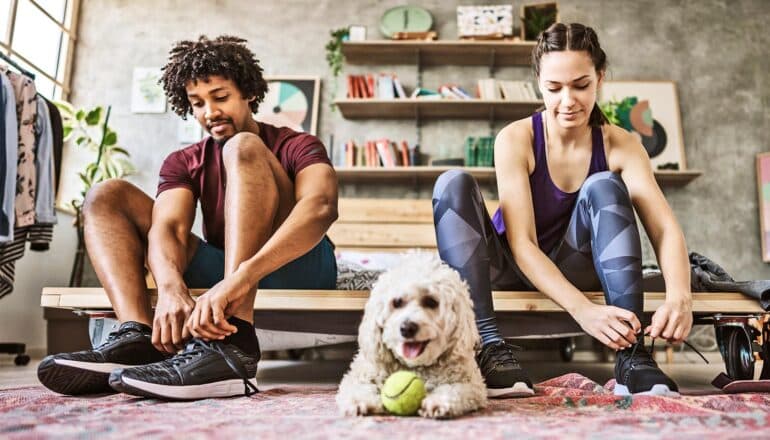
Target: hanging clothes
point(41, 233)
point(9, 136)
point(26, 181)
point(57, 132)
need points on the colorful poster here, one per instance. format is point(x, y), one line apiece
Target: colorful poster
point(763, 188)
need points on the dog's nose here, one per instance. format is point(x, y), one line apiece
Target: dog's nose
point(409, 329)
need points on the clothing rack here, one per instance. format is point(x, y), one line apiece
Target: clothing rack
point(16, 348)
point(15, 65)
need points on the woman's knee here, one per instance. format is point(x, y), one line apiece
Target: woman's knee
point(455, 185)
point(606, 188)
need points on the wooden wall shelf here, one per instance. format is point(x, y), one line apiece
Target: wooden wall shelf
point(413, 108)
point(482, 174)
point(442, 52)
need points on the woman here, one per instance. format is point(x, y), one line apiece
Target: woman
point(569, 184)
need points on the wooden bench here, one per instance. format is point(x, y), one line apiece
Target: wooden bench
point(394, 225)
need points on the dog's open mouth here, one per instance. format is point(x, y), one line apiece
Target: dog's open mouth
point(413, 349)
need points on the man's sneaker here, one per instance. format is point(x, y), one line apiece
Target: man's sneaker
point(502, 373)
point(636, 372)
point(204, 369)
point(86, 372)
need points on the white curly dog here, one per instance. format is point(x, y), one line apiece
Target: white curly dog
point(419, 317)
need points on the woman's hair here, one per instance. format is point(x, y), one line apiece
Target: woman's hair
point(574, 36)
point(223, 56)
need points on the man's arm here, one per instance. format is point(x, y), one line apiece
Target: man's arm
point(168, 243)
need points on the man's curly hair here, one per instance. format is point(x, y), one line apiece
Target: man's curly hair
point(225, 56)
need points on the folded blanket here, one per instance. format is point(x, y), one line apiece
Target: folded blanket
point(708, 276)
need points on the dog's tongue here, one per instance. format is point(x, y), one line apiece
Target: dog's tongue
point(413, 349)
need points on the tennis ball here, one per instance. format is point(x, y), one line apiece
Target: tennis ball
point(402, 393)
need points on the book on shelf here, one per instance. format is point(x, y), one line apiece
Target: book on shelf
point(487, 88)
point(379, 86)
point(423, 93)
point(517, 90)
point(452, 91)
point(373, 154)
point(479, 151)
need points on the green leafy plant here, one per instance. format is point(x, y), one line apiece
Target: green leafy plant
point(334, 56)
point(90, 130)
point(537, 18)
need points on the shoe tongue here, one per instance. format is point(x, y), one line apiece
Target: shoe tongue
point(135, 326)
point(412, 349)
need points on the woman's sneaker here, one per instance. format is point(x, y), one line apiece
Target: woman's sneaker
point(502, 373)
point(636, 372)
point(203, 370)
point(87, 372)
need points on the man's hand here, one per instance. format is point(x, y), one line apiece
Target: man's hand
point(672, 321)
point(612, 326)
point(171, 312)
point(209, 318)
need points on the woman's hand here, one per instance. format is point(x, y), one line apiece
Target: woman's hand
point(672, 321)
point(612, 326)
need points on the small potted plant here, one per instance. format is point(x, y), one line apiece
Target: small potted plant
point(90, 130)
point(334, 56)
point(536, 18)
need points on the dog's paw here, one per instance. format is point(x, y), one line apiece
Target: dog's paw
point(360, 406)
point(436, 407)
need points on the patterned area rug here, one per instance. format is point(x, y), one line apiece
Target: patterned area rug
point(569, 406)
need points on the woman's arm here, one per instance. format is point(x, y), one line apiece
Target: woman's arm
point(606, 323)
point(673, 319)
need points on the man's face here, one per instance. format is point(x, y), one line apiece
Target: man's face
point(219, 107)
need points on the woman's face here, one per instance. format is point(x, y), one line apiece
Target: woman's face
point(569, 82)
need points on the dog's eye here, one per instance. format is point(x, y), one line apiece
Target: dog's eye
point(429, 302)
point(397, 303)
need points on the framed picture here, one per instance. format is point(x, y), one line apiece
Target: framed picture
point(763, 190)
point(291, 101)
point(485, 21)
point(650, 110)
point(146, 94)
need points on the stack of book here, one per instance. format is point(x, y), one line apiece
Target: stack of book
point(480, 151)
point(490, 88)
point(374, 153)
point(380, 86)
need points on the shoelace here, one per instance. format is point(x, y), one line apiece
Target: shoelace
point(197, 347)
point(648, 360)
point(500, 353)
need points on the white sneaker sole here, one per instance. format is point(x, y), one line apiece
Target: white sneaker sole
point(656, 390)
point(225, 388)
point(519, 389)
point(91, 366)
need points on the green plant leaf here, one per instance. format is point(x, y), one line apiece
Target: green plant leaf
point(111, 138)
point(93, 117)
point(80, 140)
point(119, 150)
point(66, 132)
point(80, 115)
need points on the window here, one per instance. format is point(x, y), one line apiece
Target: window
point(38, 35)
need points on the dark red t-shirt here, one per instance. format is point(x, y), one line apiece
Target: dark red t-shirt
point(199, 168)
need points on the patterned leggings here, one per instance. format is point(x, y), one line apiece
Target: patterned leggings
point(601, 247)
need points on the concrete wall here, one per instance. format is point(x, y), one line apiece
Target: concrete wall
point(716, 52)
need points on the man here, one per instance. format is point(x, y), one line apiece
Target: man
point(268, 196)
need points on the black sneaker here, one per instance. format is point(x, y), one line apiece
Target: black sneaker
point(636, 372)
point(87, 372)
point(502, 373)
point(203, 370)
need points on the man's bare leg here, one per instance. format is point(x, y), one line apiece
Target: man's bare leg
point(258, 198)
point(117, 217)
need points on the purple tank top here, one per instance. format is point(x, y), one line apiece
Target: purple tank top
point(553, 207)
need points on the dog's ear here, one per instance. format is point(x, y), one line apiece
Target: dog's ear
point(465, 335)
point(370, 331)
